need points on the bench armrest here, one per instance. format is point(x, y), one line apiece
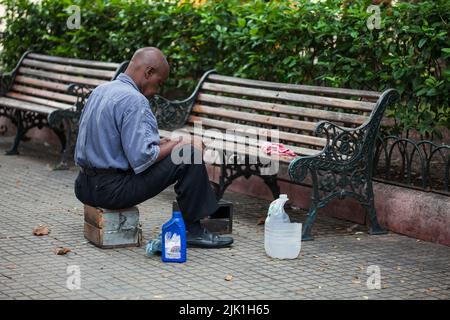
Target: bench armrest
point(343, 150)
point(82, 92)
point(338, 136)
point(347, 149)
point(170, 114)
point(6, 80)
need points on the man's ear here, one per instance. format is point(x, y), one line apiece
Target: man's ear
point(149, 71)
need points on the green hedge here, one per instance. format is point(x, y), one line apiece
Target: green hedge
point(323, 43)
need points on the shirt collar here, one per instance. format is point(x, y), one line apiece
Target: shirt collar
point(127, 79)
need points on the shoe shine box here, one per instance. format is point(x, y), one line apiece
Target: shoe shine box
point(107, 228)
point(221, 221)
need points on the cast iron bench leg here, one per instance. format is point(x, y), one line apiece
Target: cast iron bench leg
point(19, 136)
point(307, 226)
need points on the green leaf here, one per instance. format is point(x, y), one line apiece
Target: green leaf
point(422, 42)
point(241, 22)
point(354, 34)
point(254, 31)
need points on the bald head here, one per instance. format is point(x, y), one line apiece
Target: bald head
point(149, 70)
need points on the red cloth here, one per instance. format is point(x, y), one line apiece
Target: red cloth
point(277, 148)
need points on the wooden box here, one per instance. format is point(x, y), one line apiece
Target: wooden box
point(112, 228)
point(221, 221)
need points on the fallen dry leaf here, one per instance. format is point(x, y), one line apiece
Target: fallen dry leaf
point(61, 250)
point(41, 231)
point(365, 297)
point(228, 277)
point(261, 221)
point(356, 280)
point(353, 227)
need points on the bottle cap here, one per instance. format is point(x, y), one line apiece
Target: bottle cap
point(283, 196)
point(177, 214)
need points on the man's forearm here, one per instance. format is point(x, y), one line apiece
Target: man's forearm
point(165, 149)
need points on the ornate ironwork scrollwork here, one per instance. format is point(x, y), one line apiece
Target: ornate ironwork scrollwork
point(8, 113)
point(235, 165)
point(82, 93)
point(172, 115)
point(65, 121)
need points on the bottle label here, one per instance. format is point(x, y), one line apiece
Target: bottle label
point(172, 245)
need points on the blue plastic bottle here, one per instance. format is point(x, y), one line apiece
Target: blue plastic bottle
point(174, 239)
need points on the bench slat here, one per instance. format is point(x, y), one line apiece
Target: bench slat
point(79, 62)
point(45, 102)
point(293, 97)
point(96, 73)
point(244, 140)
point(61, 77)
point(235, 149)
point(42, 83)
point(245, 149)
point(27, 106)
point(254, 118)
point(45, 94)
point(296, 88)
point(284, 109)
point(291, 137)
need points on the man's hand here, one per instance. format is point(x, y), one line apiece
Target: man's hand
point(164, 140)
point(166, 145)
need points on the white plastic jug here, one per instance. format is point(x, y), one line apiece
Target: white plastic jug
point(282, 239)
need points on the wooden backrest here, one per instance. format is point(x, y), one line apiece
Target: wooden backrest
point(225, 102)
point(44, 79)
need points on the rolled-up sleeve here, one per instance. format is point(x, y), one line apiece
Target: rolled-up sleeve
point(140, 137)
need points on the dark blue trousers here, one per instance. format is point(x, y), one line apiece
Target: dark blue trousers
point(195, 196)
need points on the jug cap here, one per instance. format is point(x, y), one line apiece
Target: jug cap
point(283, 196)
point(177, 214)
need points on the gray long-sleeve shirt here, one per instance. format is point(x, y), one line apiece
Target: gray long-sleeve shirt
point(117, 128)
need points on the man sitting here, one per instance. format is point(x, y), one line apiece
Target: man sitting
point(123, 160)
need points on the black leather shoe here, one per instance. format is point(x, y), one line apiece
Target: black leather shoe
point(208, 239)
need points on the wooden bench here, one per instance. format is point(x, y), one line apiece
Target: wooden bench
point(331, 130)
point(50, 91)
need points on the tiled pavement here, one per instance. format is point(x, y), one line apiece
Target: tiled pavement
point(333, 266)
